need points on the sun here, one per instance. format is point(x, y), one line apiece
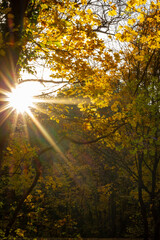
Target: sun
point(21, 98)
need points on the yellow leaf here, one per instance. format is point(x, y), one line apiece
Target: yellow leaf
point(113, 7)
point(112, 13)
point(120, 27)
point(142, 2)
point(141, 17)
point(89, 11)
point(84, 2)
point(114, 107)
point(44, 6)
point(139, 58)
point(131, 21)
point(9, 149)
point(118, 35)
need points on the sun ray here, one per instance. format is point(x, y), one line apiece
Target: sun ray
point(15, 120)
point(6, 81)
point(4, 107)
point(5, 115)
point(23, 100)
point(46, 135)
point(40, 109)
point(66, 101)
point(25, 127)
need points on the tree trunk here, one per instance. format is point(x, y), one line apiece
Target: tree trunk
point(157, 229)
point(8, 62)
point(113, 214)
point(155, 202)
point(140, 196)
point(6, 81)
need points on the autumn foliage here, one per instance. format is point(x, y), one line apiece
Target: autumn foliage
point(103, 179)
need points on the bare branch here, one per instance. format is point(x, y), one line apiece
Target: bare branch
point(51, 92)
point(93, 140)
point(43, 81)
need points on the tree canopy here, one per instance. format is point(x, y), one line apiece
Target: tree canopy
point(91, 148)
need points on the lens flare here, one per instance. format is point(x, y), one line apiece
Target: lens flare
point(20, 99)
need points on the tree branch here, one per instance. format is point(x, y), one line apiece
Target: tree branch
point(43, 81)
point(92, 140)
point(145, 70)
point(38, 168)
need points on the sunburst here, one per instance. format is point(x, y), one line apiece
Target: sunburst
point(22, 99)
